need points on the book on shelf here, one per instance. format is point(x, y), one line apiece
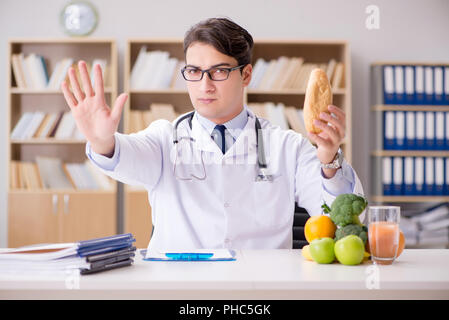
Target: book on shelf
point(142, 118)
point(156, 70)
point(417, 84)
point(32, 72)
point(104, 70)
point(52, 173)
point(66, 127)
point(337, 80)
point(292, 73)
point(295, 118)
point(25, 175)
point(286, 117)
point(59, 73)
point(38, 125)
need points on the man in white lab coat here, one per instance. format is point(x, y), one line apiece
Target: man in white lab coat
point(204, 190)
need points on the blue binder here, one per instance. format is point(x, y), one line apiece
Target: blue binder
point(399, 84)
point(429, 176)
point(440, 141)
point(419, 85)
point(420, 122)
point(388, 84)
point(429, 86)
point(446, 86)
point(409, 74)
point(387, 176)
point(439, 176)
point(389, 130)
point(408, 176)
point(106, 244)
point(446, 131)
point(430, 130)
point(418, 179)
point(399, 132)
point(446, 177)
point(410, 129)
point(398, 176)
point(438, 81)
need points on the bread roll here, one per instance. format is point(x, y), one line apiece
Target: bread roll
point(318, 98)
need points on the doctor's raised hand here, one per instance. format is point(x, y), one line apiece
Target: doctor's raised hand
point(328, 141)
point(94, 118)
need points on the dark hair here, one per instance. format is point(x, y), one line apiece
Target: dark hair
point(224, 35)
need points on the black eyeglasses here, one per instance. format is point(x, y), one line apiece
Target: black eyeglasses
point(215, 73)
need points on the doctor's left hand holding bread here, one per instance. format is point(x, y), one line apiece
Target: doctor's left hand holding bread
point(218, 200)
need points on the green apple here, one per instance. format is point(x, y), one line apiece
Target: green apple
point(350, 250)
point(322, 250)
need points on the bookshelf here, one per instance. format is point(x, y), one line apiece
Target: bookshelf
point(137, 212)
point(314, 53)
point(402, 192)
point(37, 212)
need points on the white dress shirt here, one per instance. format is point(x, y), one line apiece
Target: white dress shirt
point(228, 209)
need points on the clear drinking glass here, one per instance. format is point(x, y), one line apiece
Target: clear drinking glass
point(383, 233)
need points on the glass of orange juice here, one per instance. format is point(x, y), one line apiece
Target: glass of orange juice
point(383, 233)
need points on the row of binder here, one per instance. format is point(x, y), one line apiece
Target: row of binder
point(415, 130)
point(416, 84)
point(413, 176)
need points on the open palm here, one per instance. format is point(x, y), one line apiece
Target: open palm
point(94, 118)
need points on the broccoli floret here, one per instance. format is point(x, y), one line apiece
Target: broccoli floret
point(346, 209)
point(355, 229)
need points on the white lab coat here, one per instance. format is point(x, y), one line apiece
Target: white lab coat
point(228, 209)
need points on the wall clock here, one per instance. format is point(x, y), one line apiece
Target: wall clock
point(79, 18)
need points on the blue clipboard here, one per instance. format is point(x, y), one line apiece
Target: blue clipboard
point(194, 255)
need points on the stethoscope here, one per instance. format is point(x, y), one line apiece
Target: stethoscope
point(262, 174)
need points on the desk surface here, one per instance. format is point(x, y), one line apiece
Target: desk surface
point(256, 274)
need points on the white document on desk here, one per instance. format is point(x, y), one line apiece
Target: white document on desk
point(190, 255)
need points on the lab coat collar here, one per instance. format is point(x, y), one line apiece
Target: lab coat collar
point(245, 143)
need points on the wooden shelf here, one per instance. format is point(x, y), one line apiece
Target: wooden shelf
point(62, 191)
point(249, 91)
point(410, 108)
point(108, 90)
point(410, 153)
point(378, 108)
point(410, 63)
point(159, 91)
point(56, 215)
point(289, 92)
point(48, 141)
point(410, 198)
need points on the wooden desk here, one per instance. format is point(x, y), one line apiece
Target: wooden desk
point(256, 274)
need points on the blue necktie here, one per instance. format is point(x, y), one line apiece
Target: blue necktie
point(219, 136)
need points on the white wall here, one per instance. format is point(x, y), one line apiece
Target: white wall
point(409, 30)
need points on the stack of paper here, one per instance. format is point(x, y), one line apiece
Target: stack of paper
point(430, 227)
point(83, 257)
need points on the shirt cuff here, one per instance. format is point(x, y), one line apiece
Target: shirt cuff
point(104, 162)
point(342, 182)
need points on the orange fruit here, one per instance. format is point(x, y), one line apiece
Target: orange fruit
point(319, 227)
point(401, 243)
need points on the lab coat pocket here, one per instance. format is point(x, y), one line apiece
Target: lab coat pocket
point(269, 199)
